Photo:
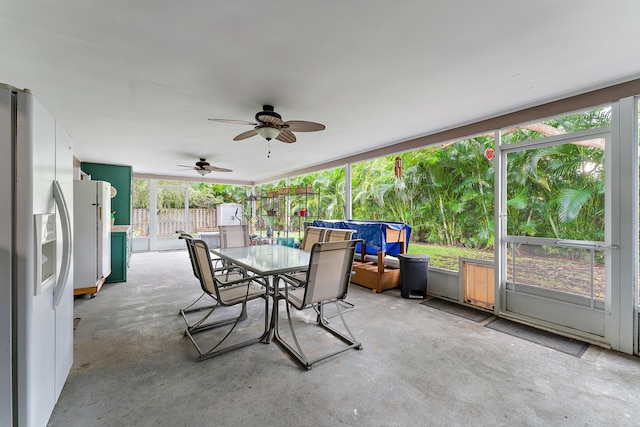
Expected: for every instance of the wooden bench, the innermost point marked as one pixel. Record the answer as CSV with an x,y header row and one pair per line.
x,y
375,270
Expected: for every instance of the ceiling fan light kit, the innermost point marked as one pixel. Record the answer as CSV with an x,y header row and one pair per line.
x,y
268,132
203,172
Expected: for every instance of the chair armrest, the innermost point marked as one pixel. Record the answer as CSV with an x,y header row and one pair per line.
x,y
292,280
229,268
244,280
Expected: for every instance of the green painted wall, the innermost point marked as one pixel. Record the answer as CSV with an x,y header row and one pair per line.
x,y
120,177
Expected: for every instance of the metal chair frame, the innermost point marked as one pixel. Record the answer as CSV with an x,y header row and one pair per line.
x,y
226,294
334,235
337,234
329,285
199,324
232,236
190,308
312,235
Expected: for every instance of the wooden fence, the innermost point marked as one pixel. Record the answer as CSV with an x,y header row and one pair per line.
x,y
171,220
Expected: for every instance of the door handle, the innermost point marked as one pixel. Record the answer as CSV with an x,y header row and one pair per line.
x,y
65,220
580,244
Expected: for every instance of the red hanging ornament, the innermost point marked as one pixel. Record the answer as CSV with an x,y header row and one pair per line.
x,y
488,153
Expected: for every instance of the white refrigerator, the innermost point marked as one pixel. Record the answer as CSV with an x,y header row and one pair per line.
x,y
36,265
92,232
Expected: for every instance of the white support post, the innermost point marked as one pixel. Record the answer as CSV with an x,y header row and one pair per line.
x,y
153,216
347,190
186,210
500,223
623,326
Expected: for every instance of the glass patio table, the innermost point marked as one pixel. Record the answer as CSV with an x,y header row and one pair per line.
x,y
267,261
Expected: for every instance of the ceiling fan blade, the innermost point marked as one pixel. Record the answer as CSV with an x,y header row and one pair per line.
x,y
303,126
185,166
266,118
235,122
245,135
216,169
286,136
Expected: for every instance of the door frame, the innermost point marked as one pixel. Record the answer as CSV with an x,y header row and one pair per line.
x,y
156,242
548,309
625,130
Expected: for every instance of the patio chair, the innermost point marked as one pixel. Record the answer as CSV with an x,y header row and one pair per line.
x,y
322,234
233,236
311,236
226,294
188,238
337,234
327,281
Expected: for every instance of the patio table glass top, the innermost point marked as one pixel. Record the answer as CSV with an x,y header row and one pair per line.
x,y
266,260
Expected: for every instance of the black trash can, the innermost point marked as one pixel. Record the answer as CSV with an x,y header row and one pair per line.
x,y
414,273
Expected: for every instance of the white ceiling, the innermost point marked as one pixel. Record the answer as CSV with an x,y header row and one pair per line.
x,y
134,82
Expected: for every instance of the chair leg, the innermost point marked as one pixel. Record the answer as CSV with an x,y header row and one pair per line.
x,y
298,353
191,309
349,306
216,350
348,338
200,325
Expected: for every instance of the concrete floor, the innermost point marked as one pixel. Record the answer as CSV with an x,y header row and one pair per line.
x,y
419,366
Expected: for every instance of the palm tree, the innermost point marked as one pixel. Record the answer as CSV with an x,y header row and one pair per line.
x,y
331,186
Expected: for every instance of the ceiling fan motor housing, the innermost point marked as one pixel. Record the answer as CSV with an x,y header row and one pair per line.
x,y
202,163
267,111
270,125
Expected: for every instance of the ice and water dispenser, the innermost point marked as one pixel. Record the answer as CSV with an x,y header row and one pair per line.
x,y
45,248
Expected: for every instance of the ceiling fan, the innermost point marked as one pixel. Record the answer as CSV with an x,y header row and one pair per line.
x,y
270,125
203,167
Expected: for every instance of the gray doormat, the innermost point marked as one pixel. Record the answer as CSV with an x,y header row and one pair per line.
x,y
556,342
469,313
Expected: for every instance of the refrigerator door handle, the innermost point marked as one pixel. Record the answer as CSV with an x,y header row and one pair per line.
x,y
65,220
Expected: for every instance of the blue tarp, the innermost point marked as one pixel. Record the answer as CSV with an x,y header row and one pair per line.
x,y
372,232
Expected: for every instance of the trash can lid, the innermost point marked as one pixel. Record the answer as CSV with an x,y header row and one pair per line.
x,y
414,257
